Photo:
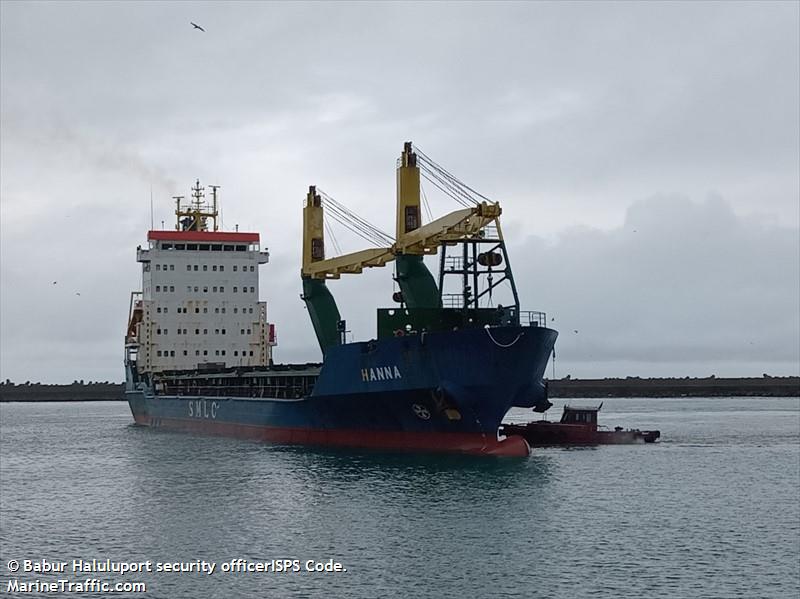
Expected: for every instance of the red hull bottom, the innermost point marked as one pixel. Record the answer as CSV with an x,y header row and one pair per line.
x,y
541,434
466,443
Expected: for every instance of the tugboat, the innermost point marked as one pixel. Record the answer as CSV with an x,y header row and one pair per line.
x,y
578,426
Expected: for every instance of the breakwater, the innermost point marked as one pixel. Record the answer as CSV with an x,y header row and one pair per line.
x,y
766,386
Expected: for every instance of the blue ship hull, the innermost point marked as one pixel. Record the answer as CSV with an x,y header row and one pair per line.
x,y
436,391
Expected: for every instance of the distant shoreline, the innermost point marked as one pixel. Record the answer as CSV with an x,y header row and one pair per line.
x,y
787,386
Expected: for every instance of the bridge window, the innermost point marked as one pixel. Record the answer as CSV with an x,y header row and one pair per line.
x,y
188,267
172,266
216,248
235,267
214,268
172,288
205,267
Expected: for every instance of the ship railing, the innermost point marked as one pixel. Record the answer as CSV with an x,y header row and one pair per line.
x,y
452,300
531,318
453,263
291,391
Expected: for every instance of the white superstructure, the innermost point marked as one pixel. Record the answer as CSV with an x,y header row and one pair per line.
x,y
199,300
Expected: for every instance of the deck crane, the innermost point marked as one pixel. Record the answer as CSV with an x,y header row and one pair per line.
x,y
419,291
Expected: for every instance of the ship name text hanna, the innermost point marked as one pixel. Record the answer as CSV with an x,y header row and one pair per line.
x,y
380,373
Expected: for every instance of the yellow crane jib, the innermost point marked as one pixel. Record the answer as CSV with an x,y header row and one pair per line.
x,y
313,232
458,225
412,237
354,263
408,192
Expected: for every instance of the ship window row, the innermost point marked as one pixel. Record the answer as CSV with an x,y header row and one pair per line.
x,y
217,310
170,353
208,247
214,268
165,289
186,331
205,331
214,289
164,267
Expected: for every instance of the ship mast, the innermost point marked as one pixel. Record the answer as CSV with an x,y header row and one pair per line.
x,y
194,215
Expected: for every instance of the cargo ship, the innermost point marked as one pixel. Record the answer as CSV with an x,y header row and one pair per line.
x,y
446,364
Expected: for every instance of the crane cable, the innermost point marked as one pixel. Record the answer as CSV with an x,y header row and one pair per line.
x,y
350,220
446,182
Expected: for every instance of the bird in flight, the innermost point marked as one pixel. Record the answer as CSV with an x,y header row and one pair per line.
x,y
196,26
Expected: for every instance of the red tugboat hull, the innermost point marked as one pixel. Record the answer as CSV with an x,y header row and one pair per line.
x,y
544,433
578,426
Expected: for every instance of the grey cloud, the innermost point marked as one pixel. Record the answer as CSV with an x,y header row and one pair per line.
x,y
568,114
682,282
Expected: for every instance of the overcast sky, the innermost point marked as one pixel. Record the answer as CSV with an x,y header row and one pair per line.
x,y
645,155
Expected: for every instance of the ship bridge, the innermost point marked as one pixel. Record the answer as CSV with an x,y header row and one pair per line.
x,y
199,304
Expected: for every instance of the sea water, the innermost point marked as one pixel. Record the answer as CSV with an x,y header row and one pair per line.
x,y
711,511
